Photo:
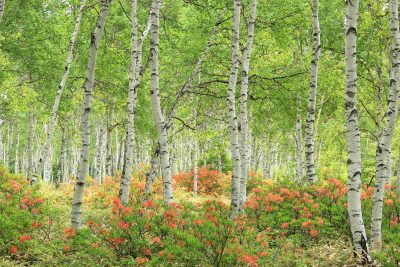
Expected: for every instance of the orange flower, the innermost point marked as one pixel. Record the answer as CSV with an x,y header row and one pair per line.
x,y
389,202
156,240
284,225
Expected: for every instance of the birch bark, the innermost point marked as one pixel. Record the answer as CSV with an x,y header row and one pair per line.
x,y
85,118
135,74
232,117
155,102
385,144
244,124
353,135
309,129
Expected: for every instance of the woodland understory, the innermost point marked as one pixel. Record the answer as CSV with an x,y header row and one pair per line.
x,y
199,133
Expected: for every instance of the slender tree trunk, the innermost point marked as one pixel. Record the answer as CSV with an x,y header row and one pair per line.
x,y
232,118
50,130
299,148
309,130
99,154
195,162
16,165
385,144
353,136
30,143
135,74
244,124
155,101
151,174
85,119
2,6
122,154
109,159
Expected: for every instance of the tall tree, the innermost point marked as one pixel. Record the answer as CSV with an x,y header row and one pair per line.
x,y
135,75
309,130
353,135
85,118
244,124
155,102
385,144
50,130
232,117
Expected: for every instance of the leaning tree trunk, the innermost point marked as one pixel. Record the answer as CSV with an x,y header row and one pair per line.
x,y
135,75
385,144
155,102
309,130
232,118
244,124
353,136
85,119
50,130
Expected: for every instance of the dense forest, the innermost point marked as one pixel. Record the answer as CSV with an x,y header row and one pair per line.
x,y
199,133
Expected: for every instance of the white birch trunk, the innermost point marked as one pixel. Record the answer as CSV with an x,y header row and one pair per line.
x,y
353,136
155,101
244,121
299,149
99,154
85,119
309,130
134,82
232,117
195,162
50,130
16,165
30,141
384,148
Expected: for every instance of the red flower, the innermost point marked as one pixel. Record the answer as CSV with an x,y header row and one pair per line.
x,y
67,248
24,238
197,222
149,204
13,250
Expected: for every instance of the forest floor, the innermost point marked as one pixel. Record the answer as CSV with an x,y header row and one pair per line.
x,y
188,234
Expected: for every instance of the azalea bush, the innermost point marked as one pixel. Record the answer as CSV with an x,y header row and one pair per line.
x,y
21,213
278,223
209,182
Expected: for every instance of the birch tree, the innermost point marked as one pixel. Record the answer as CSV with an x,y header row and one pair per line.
x,y
309,129
85,118
232,117
53,116
135,74
385,144
353,135
244,125
155,103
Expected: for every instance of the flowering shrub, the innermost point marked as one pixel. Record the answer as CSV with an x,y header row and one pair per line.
x,y
208,181
21,213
